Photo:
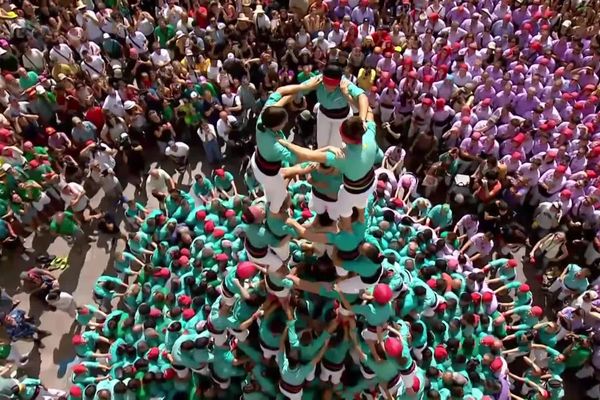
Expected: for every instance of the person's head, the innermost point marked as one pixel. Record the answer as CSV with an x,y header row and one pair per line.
x,y
332,76
352,130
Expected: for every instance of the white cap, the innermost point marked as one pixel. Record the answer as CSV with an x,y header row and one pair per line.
x,y
106,36
40,89
321,34
193,95
179,34
220,25
230,56
128,105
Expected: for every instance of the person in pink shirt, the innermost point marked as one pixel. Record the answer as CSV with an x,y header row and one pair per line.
x,y
551,182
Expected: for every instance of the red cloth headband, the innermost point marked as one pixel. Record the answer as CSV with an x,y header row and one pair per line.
x,y
331,81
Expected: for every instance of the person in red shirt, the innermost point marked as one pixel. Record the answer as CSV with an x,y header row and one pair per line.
x,y
200,15
488,188
382,36
321,7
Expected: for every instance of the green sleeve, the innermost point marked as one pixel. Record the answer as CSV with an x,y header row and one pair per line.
x,y
354,90
332,161
292,335
273,98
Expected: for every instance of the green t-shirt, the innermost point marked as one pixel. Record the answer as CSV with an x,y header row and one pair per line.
x,y
164,35
335,99
326,183
29,80
259,236
348,241
296,376
359,158
225,182
68,226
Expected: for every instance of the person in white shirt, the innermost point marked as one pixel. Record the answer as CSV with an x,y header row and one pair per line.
x,y
88,20
61,54
33,59
160,183
73,194
94,66
231,102
91,48
224,125
62,301
547,215
113,103
336,36
178,153
208,136
159,57
137,40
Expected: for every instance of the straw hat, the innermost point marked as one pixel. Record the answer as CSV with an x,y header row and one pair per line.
x,y
242,18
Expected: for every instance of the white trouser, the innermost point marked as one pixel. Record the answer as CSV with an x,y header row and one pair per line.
x,y
347,201
268,353
282,251
341,271
222,385
291,396
365,374
393,390
409,378
220,338
204,371
270,260
353,285
334,376
321,206
182,373
240,336
280,294
274,187
225,298
417,352
328,130
368,335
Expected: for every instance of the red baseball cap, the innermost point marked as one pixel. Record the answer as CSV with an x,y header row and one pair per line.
x,y
537,311
246,269
427,101
382,293
393,347
524,288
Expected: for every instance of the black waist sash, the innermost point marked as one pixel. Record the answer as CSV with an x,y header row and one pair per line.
x,y
269,168
337,113
361,185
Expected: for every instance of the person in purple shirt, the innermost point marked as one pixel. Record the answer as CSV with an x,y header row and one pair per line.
x,y
362,12
503,26
373,59
386,63
521,14
574,54
486,90
525,103
341,10
459,13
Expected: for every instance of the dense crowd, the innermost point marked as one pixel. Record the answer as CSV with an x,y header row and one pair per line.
x,y
399,158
